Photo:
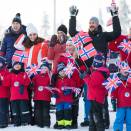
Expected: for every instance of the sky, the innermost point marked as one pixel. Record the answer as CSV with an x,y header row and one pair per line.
x,y
32,12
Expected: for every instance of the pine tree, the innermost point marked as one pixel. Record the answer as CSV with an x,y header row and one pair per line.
x,y
124,17
45,27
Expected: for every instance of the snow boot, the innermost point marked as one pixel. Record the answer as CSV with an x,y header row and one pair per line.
x,y
85,123
56,125
68,127
60,127
3,125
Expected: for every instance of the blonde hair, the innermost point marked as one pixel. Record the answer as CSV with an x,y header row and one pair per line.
x,y
75,54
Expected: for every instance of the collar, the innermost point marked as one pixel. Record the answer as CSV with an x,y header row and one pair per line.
x,y
61,77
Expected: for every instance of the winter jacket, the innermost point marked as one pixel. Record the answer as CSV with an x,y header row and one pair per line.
x,y
15,80
8,44
60,84
113,46
36,53
54,54
75,75
99,38
4,91
96,91
40,81
123,95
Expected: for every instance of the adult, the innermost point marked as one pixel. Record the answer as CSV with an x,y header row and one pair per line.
x,y
57,46
99,38
113,46
12,34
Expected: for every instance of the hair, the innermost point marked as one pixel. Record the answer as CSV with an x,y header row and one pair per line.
x,y
75,54
29,43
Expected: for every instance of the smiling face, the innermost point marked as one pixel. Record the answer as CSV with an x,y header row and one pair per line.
x,y
17,67
123,73
70,47
93,26
16,26
59,34
45,68
62,73
33,36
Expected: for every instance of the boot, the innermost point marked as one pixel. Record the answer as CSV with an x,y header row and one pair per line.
x,y
68,127
3,125
60,127
74,126
85,123
17,124
56,125
24,124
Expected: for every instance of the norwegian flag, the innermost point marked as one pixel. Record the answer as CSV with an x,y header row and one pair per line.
x,y
67,54
112,83
109,22
52,89
20,56
32,70
113,3
125,46
80,39
69,69
49,74
87,52
123,66
129,78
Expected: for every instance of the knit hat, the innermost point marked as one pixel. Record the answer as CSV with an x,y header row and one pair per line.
x,y
15,63
2,60
98,60
31,29
95,19
44,64
69,41
17,18
60,66
62,28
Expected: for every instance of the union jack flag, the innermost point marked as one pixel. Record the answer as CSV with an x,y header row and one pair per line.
x,y
20,56
125,46
129,78
80,39
67,54
113,3
52,89
32,70
109,22
87,52
69,69
112,83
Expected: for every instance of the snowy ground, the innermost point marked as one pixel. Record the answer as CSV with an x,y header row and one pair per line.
x,y
53,120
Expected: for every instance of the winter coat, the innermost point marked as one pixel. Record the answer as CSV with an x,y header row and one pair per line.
x,y
54,54
99,38
113,46
4,91
75,75
36,53
15,80
123,95
40,81
60,84
8,44
96,91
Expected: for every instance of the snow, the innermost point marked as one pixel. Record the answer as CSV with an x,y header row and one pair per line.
x,y
53,120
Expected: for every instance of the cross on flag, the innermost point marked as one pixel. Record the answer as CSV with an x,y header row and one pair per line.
x,y
112,83
20,56
125,46
113,3
67,54
87,52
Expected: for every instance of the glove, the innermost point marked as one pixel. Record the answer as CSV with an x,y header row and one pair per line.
x,y
55,95
115,12
53,79
50,85
53,40
73,10
82,74
63,39
66,92
88,71
32,85
21,89
77,62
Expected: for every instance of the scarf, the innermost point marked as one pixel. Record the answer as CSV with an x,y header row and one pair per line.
x,y
18,32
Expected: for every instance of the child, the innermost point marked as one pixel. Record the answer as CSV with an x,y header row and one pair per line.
x,y
42,97
3,96
64,99
123,96
96,93
19,81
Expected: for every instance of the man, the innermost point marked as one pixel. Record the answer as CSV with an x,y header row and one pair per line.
x,y
99,38
13,33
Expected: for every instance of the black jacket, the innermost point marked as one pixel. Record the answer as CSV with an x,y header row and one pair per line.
x,y
100,38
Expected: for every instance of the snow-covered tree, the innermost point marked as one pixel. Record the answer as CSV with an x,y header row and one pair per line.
x,y
124,13
45,27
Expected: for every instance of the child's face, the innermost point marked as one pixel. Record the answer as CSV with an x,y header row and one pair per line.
x,y
45,68
62,73
1,64
123,73
17,67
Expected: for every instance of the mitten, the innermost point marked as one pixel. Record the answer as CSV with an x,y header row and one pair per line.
x,y
63,39
55,95
21,89
53,40
66,92
73,10
114,12
32,85
77,62
82,74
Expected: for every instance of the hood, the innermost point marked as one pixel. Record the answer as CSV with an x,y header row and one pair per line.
x,y
103,69
96,32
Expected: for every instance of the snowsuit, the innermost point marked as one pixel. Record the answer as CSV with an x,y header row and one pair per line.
x,y
42,98
96,94
4,96
19,102
123,96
